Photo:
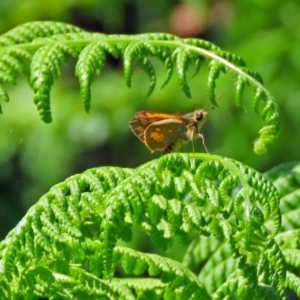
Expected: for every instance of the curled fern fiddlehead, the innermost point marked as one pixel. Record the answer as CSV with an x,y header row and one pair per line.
x,y
38,49
67,243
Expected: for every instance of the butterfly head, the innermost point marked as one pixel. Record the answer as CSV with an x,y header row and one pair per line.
x,y
200,115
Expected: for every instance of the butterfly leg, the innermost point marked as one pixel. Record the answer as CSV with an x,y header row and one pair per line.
x,y
192,139
193,146
203,141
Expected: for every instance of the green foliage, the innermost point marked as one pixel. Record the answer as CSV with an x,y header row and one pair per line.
x,y
38,50
67,244
239,228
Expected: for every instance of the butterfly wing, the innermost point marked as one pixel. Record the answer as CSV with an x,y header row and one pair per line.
x,y
144,119
152,116
162,134
138,128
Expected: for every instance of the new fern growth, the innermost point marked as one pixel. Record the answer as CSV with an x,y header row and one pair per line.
x,y
67,244
37,51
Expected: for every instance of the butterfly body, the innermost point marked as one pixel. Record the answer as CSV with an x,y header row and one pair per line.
x,y
160,131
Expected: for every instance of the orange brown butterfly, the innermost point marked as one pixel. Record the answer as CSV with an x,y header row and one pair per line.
x,y
160,131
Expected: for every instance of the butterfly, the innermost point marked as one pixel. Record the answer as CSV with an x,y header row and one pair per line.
x,y
161,131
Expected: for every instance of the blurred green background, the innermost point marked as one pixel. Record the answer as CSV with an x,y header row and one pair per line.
x,y
34,156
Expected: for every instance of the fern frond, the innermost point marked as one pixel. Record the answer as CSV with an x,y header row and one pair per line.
x,y
38,49
233,209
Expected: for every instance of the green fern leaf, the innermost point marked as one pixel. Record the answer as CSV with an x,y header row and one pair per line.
x,y
240,86
90,61
235,59
182,61
259,98
168,270
214,72
27,32
286,178
12,63
293,282
146,65
169,69
199,250
198,64
132,51
46,67
7,77
12,66
201,44
3,95
136,51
